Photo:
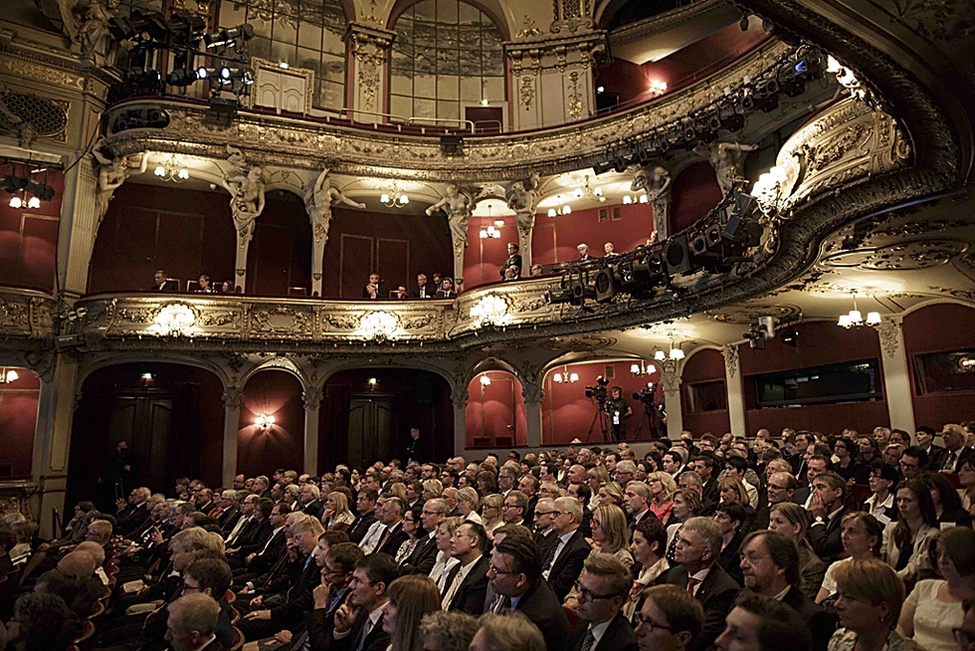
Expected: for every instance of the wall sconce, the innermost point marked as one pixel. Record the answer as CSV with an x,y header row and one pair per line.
x,y
660,355
565,376
263,421
676,353
642,368
8,375
853,318
485,380
657,87
767,190
643,198
378,326
490,311
558,212
490,233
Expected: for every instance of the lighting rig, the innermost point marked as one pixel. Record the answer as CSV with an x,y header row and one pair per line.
x,y
726,236
29,186
789,77
221,59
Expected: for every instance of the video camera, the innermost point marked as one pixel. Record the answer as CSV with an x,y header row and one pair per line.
x,y
647,395
599,390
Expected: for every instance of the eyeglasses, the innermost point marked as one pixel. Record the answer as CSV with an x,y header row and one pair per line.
x,y
497,571
649,624
588,595
537,513
752,559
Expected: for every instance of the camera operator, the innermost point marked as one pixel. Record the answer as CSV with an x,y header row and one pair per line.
x,y
618,410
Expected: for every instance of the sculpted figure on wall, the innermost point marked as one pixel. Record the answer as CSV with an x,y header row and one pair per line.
x,y
247,200
656,183
111,174
727,161
521,197
457,204
86,22
319,201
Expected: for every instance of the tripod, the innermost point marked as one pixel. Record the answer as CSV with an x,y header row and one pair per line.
x,y
651,418
600,416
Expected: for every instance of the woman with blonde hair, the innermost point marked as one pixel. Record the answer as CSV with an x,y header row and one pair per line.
x,y
861,534
732,490
687,504
611,493
491,506
662,489
398,490
467,503
610,535
411,598
337,516
868,603
789,519
596,476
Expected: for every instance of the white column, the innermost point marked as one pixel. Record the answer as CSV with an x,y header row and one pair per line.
x,y
897,376
233,398
458,397
533,393
670,380
78,227
736,397
313,400
52,440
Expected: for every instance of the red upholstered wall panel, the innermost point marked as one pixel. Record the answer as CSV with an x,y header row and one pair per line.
x,y
259,452
695,192
936,328
18,421
483,257
567,413
820,343
702,366
29,240
495,415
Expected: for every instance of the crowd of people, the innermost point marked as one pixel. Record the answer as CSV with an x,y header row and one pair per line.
x,y
808,541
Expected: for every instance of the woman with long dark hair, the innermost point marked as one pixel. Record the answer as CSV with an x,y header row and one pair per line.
x,y
906,541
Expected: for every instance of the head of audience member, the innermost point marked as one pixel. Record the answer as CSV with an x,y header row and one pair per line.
x,y
577,490
447,631
40,622
192,621
544,514
781,487
99,531
96,551
515,505
671,619
366,501
952,553
576,473
816,464
769,563
433,513
687,503
568,515
913,462
914,503
604,587
758,623
829,489
515,566
861,534
508,632
340,563
371,579
790,520
698,544
79,564
869,595
305,533
411,597
704,466
469,542
649,541
924,436
893,454
636,497
209,576
611,493
732,489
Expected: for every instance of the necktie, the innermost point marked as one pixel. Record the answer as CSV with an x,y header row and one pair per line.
x,y
366,628
589,641
366,543
691,583
500,603
551,557
452,589
950,461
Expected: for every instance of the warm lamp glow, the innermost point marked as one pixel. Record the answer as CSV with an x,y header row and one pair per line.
x,y
485,381
263,421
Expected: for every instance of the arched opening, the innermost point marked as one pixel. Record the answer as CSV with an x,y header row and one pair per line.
x,y
263,448
171,417
495,415
279,256
20,392
367,413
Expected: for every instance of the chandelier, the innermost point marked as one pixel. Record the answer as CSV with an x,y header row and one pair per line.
x,y
378,326
8,375
565,376
853,318
171,170
767,190
175,320
490,311
394,197
642,368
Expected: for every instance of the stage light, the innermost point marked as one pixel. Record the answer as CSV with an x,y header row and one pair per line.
x,y
228,37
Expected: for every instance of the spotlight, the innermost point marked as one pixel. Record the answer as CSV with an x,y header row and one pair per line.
x,y
228,37
581,290
676,255
607,285
555,298
183,77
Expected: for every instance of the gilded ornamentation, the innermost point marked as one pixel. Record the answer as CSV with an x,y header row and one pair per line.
x,y
284,320
529,30
527,92
233,397
902,256
26,70
746,314
311,399
370,48
730,354
889,334
575,97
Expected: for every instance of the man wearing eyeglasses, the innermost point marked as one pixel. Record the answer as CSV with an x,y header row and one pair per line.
x,y
670,620
340,563
781,487
424,555
603,590
543,534
564,562
466,584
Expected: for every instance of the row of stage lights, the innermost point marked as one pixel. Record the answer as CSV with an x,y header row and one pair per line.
x,y
27,187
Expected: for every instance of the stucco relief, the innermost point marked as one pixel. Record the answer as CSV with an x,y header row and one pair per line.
x,y
903,256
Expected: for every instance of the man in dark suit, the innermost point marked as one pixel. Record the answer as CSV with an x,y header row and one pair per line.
x,y
770,564
308,498
375,288
704,466
134,512
946,459
698,547
828,509
514,259
670,618
254,538
781,488
424,555
422,289
340,562
260,561
392,518
604,588
359,622
192,622
466,584
366,505
160,283
516,580
816,464
564,562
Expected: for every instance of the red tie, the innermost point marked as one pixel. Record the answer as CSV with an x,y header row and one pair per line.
x,y
691,582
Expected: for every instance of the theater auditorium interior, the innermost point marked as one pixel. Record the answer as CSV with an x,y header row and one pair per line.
x,y
214,214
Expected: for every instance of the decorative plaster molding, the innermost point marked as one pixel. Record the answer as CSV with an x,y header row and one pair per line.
x,y
730,354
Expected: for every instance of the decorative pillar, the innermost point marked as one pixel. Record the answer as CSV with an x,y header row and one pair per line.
x,y
897,377
553,79
233,399
459,397
670,381
52,439
370,50
736,397
532,392
521,198
313,400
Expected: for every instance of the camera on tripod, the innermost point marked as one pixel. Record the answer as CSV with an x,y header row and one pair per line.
x,y
599,390
647,394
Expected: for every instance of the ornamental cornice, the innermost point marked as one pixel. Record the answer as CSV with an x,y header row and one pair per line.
x,y
291,143
29,60
668,20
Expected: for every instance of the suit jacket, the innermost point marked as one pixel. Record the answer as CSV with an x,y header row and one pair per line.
x,y
207,508
255,538
321,621
300,597
423,558
392,539
266,558
821,624
377,640
167,286
512,261
710,491
568,566
544,544
619,636
544,609
313,508
936,457
469,597
427,291
228,520
716,593
131,518
359,527
825,539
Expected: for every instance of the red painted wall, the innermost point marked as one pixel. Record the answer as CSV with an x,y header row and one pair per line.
x,y
931,329
495,414
397,245
695,192
279,255
148,227
259,452
18,421
820,343
29,240
702,366
567,412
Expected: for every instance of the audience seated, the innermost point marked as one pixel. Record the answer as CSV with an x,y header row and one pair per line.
x,y
868,604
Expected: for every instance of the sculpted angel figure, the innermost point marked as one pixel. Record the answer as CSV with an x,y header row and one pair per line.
x,y
726,159
247,200
111,173
521,197
656,182
458,204
319,201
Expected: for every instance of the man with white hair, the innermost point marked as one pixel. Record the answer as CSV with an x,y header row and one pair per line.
x,y
563,565
133,515
192,622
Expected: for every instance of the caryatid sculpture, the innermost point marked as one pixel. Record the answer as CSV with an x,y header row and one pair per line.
x,y
727,161
458,204
246,188
319,200
111,174
656,182
521,197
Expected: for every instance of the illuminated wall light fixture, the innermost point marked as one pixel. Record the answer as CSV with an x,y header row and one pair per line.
x,y
657,87
660,355
8,375
485,381
642,368
854,319
490,233
565,376
263,421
